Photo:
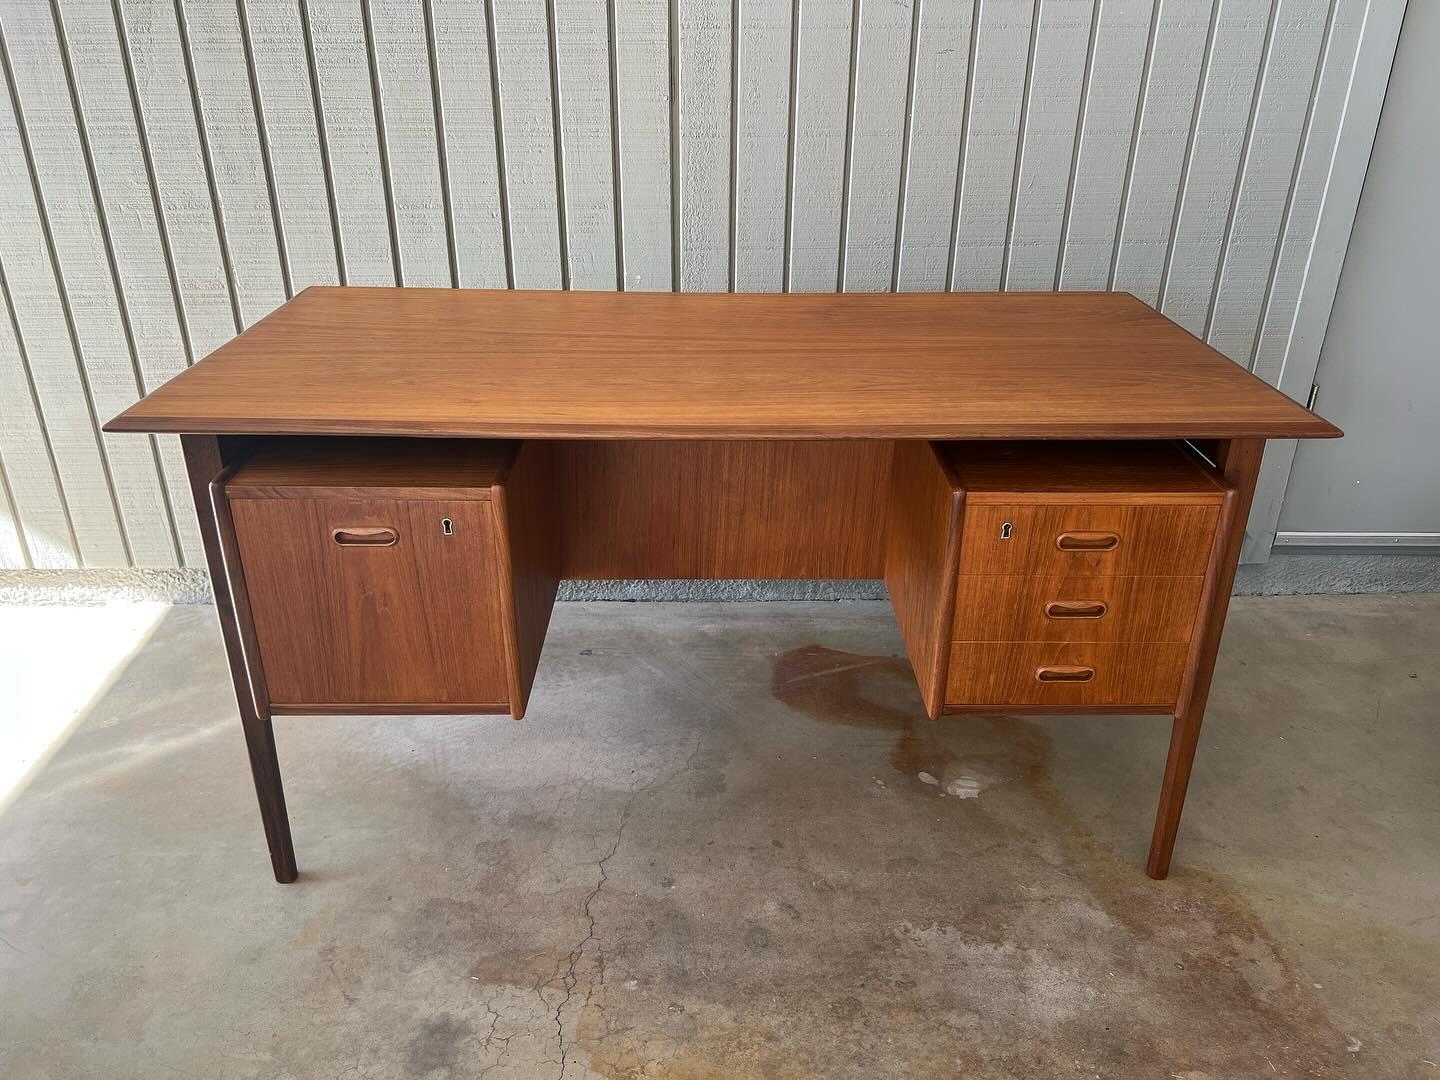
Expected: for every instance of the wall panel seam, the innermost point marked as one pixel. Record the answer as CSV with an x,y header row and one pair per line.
x,y
1322,58
8,495
1021,134
907,135
1081,113
856,22
442,154
157,207
966,107
497,111
1141,100
208,161
1202,84
323,138
561,202
49,445
382,144
1242,166
616,178
263,136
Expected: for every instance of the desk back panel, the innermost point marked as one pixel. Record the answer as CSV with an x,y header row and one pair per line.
x,y
722,509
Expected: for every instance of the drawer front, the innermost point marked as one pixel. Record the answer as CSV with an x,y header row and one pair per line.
x,y
1097,539
1002,673
370,602
1018,608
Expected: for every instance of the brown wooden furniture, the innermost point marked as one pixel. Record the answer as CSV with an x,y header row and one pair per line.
x,y
382,580
1054,487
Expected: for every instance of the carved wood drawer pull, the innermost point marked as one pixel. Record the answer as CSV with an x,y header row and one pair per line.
x,y
1076,609
1065,673
1087,541
368,536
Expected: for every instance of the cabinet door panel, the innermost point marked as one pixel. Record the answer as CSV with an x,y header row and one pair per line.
x,y
374,601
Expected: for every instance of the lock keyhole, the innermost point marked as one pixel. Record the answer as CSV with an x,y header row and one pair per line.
x,y
447,527
1005,531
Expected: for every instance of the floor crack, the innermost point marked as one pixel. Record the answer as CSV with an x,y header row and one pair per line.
x,y
573,960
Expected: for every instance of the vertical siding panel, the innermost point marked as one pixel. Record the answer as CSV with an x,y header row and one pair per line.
x,y
1104,145
59,386
342,71
92,306
936,114
583,54
823,81
403,62
34,488
522,48
1290,75
1297,237
643,52
141,258
462,58
1169,100
705,145
1048,142
1268,171
222,84
282,74
761,145
12,546
1222,129
188,216
1001,48
881,83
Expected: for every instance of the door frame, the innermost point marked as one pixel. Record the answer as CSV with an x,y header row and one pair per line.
x,y
1374,57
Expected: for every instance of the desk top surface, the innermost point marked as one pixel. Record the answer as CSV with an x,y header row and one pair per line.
x,y
506,364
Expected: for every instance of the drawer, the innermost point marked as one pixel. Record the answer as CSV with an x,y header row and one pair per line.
x,y
1003,673
375,601
1095,539
1057,608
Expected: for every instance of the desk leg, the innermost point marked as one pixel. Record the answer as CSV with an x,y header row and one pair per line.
x,y
1239,460
206,467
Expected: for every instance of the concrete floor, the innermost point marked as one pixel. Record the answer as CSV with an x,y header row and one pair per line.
x,y
708,853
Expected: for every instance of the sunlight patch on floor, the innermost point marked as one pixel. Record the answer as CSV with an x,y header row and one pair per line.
x,y
53,662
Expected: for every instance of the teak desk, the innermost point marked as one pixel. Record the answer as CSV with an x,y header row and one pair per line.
x,y
391,484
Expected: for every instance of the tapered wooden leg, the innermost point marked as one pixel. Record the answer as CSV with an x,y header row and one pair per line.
x,y
265,769
205,467
1239,461
1184,737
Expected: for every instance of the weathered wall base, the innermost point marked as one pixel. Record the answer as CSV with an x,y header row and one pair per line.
x,y
1287,573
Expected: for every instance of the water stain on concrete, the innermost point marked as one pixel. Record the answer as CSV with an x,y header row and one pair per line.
x,y
538,968
438,1045
686,1052
1221,948
836,687
1218,940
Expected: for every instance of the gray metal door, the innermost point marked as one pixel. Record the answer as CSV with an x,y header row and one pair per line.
x,y
1379,371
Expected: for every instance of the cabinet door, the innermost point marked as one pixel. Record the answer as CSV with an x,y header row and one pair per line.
x,y
375,602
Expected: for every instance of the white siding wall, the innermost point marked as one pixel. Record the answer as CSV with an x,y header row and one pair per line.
x,y
171,170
